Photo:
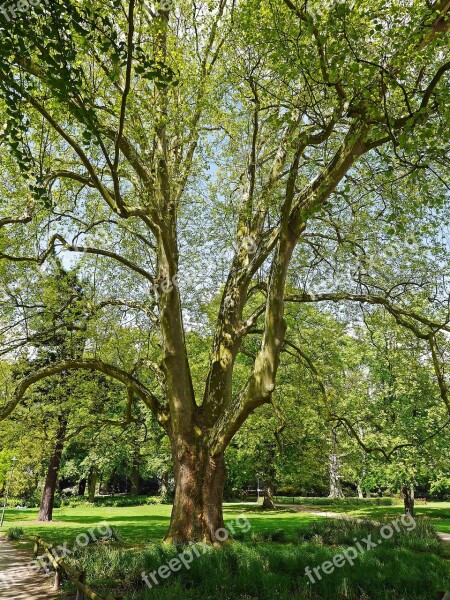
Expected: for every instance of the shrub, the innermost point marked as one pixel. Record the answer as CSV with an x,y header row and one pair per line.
x,y
14,533
330,502
277,535
115,536
123,501
116,501
32,502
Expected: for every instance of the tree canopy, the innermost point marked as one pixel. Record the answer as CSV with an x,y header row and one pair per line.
x,y
262,153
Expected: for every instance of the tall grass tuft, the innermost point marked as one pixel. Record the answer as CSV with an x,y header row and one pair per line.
x,y
14,534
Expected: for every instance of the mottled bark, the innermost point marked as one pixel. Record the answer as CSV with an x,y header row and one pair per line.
x,y
334,470
197,507
268,501
407,491
164,486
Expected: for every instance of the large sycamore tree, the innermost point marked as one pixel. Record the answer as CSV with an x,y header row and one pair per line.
x,y
184,150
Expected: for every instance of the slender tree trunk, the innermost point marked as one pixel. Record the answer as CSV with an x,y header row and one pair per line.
x,y
48,494
335,483
92,483
359,490
164,486
268,496
82,486
197,508
408,498
334,469
135,475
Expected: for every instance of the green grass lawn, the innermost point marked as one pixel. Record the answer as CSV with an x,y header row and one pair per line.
x,y
409,566
139,524
142,524
437,512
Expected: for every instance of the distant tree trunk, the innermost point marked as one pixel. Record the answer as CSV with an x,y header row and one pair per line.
x,y
368,494
359,490
408,498
135,472
48,494
82,486
92,483
164,485
335,467
268,496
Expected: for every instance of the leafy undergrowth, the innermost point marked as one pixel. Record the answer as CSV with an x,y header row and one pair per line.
x,y
408,566
120,501
334,502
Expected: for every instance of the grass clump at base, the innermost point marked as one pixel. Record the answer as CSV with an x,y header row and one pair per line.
x,y
407,566
14,534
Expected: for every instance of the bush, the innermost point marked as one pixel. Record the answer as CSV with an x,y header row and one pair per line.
x,y
117,501
311,501
124,501
14,533
278,535
32,502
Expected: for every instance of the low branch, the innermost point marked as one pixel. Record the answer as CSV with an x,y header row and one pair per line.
x,y
398,313
88,364
13,221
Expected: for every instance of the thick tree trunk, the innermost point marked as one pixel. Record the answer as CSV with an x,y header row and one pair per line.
x,y
408,498
197,508
92,483
48,494
268,496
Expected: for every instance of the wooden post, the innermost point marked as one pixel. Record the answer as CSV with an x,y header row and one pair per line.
x,y
78,578
80,594
36,548
58,577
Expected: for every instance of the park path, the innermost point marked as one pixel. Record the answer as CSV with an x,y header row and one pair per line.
x,y
445,537
16,581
